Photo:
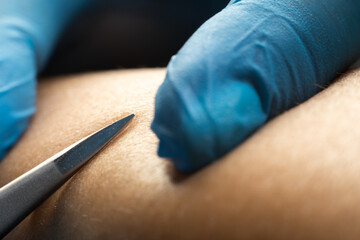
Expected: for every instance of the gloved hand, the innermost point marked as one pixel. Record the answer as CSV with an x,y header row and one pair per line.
x,y
28,31
249,63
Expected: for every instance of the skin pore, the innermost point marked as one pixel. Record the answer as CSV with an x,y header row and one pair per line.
x,y
296,178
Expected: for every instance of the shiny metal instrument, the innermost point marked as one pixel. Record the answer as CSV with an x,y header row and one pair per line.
x,y
21,196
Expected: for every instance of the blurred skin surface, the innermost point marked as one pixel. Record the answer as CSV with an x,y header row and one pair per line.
x,y
296,178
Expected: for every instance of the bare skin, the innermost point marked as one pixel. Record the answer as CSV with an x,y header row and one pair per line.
x,y
296,178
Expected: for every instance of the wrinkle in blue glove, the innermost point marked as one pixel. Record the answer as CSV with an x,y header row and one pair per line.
x,y
28,32
247,64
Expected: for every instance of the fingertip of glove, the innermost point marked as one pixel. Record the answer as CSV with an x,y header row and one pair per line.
x,y
17,102
172,127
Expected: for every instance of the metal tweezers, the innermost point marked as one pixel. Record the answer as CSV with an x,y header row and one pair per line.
x,y
21,196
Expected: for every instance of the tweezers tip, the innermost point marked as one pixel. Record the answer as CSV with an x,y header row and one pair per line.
x,y
124,121
130,117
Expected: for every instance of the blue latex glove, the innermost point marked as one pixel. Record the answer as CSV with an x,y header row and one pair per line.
x,y
249,63
28,31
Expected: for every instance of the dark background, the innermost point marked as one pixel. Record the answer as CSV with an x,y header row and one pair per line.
x,y
129,34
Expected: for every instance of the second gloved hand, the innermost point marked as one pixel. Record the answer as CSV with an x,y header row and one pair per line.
x,y
249,63
28,32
